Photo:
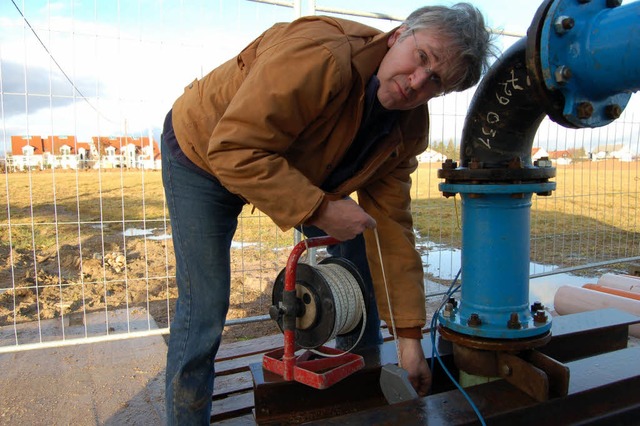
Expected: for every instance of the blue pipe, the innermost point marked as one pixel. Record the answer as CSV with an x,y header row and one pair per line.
x,y
495,262
590,53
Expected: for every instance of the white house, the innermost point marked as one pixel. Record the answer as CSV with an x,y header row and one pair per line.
x,y
431,156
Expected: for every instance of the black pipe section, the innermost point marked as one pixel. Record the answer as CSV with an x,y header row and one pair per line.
x,y
503,117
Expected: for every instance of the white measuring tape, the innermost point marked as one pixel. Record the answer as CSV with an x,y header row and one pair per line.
x,y
386,289
345,290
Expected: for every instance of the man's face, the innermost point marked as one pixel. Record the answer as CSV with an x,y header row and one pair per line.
x,y
414,70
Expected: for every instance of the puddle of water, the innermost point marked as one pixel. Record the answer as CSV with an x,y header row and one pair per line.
x,y
133,232
445,264
240,244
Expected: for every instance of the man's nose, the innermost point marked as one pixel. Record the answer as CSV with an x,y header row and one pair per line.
x,y
420,77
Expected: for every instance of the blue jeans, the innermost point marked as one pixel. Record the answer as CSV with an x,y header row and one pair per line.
x,y
204,218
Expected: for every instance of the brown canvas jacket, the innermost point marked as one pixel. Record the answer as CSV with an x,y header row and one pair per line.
x,y
272,123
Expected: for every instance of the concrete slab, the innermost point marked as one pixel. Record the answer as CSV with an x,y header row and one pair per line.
x,y
106,383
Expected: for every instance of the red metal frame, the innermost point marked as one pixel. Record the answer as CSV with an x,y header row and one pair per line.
x,y
318,373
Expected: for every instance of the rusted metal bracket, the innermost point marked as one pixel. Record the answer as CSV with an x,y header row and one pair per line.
x,y
536,374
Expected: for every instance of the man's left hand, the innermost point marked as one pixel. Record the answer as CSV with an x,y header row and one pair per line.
x,y
412,359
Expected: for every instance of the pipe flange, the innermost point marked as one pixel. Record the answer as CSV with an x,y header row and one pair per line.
x,y
497,175
487,344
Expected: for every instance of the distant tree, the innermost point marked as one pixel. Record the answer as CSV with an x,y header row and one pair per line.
x,y
451,151
438,146
577,153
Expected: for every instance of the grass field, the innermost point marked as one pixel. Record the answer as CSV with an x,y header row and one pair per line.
x,y
66,247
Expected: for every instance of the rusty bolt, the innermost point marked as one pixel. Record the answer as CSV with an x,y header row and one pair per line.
x,y
543,162
474,320
540,316
613,3
449,164
448,310
475,164
613,111
514,322
564,24
584,110
453,302
563,74
515,163
448,194
536,306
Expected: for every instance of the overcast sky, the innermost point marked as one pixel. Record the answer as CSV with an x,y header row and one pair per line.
x,y
114,67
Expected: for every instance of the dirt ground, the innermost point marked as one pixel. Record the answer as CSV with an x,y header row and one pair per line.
x,y
109,272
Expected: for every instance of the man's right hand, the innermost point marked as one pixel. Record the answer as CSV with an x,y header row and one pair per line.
x,y
343,219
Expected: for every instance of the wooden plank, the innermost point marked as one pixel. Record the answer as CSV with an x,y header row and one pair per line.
x,y
233,406
246,420
249,347
232,383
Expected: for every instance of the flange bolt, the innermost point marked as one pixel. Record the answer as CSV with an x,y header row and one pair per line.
x,y
474,320
540,317
563,74
536,306
564,24
613,111
584,110
449,164
514,322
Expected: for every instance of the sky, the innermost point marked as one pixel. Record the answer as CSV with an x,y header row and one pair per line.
x,y
98,67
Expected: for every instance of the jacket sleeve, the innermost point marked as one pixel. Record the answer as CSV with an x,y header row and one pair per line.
x,y
285,91
388,201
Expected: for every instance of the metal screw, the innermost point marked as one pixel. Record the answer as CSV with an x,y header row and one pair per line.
x,y
543,162
537,305
564,24
453,302
515,163
474,320
584,110
540,316
475,164
449,164
613,111
514,322
613,3
448,309
563,74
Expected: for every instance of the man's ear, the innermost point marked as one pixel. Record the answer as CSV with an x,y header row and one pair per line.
x,y
396,35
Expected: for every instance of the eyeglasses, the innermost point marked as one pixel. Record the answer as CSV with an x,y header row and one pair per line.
x,y
424,62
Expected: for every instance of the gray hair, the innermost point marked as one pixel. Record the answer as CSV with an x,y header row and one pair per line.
x,y
462,26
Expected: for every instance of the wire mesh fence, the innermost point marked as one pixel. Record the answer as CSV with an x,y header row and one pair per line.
x,y
85,236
